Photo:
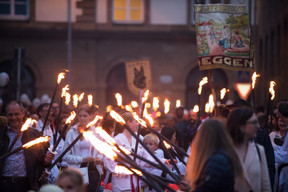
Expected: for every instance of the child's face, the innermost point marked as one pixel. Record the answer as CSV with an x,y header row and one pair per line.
x,y
67,185
152,146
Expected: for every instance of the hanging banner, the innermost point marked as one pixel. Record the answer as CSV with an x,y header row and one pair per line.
x,y
138,75
224,39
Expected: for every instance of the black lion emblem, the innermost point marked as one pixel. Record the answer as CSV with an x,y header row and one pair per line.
x,y
139,78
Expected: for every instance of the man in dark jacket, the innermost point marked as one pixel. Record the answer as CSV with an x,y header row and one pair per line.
x,y
20,171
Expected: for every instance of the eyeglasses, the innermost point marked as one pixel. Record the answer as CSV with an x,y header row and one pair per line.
x,y
253,122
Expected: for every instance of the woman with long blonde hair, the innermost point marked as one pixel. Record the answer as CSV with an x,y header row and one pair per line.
x,y
213,163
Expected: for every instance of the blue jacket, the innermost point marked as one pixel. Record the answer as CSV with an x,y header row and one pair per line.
x,y
217,174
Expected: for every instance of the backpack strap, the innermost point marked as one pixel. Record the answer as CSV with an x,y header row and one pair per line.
x,y
257,148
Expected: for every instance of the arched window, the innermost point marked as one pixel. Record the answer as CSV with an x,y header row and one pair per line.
x,y
9,92
116,83
192,83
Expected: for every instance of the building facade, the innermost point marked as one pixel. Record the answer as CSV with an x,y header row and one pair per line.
x,y
104,35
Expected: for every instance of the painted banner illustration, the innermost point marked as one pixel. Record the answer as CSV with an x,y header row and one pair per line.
x,y
138,75
224,39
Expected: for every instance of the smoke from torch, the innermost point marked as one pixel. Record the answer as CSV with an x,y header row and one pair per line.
x,y
202,82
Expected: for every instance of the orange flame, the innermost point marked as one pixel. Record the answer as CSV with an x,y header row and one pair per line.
x,y
145,96
109,108
67,98
150,119
36,141
75,100
81,96
223,92
117,117
202,82
105,135
155,103
71,117
178,103
196,109
134,104
254,77
207,108
90,100
166,106
271,89
140,121
118,97
60,77
123,170
64,90
211,103
99,145
166,145
129,108
28,123
97,118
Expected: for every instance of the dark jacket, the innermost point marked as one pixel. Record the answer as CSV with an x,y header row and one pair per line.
x,y
263,139
34,156
217,174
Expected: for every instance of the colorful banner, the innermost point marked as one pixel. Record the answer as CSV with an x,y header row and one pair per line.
x,y
224,39
138,74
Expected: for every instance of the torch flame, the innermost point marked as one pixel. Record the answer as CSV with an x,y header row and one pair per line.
x,y
271,89
64,90
28,123
211,103
207,107
67,98
105,135
178,103
166,145
134,104
81,96
118,97
126,151
75,100
223,92
97,118
90,100
71,117
155,103
123,170
196,109
166,106
254,77
60,77
202,82
140,121
36,141
129,108
117,117
109,108
150,119
145,96
101,146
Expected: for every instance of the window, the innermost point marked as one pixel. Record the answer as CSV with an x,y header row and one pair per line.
x,y
14,9
128,11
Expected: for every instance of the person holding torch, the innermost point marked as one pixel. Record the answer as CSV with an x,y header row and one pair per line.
x,y
20,171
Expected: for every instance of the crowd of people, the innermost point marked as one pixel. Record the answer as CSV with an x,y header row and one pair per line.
x,y
235,149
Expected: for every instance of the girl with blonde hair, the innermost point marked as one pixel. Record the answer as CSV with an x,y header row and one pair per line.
x,y
213,163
